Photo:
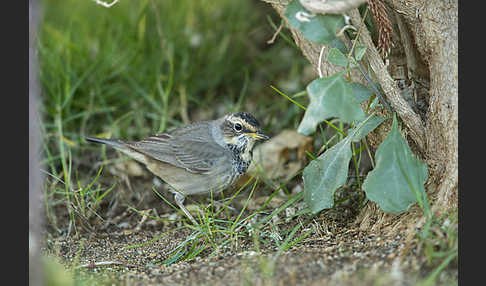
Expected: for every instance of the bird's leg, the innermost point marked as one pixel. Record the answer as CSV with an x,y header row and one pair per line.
x,y
222,205
179,198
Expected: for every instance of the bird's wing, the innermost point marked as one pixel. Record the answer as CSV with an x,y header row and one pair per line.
x,y
191,147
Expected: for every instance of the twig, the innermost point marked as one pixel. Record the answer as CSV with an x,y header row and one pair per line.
x,y
302,16
347,27
320,62
107,5
275,34
361,25
391,91
369,152
144,218
375,89
373,86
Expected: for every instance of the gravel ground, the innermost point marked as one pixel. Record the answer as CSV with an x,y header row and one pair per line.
x,y
336,252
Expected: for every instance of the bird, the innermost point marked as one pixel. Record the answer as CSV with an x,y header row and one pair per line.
x,y
198,158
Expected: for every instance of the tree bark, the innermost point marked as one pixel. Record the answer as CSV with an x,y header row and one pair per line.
x,y
425,45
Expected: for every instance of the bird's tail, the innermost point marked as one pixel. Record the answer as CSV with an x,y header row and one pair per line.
x,y
120,146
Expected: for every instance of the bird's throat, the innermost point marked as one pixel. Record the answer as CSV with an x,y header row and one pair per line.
x,y
242,155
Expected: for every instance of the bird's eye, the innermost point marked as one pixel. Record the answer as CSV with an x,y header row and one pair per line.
x,y
238,127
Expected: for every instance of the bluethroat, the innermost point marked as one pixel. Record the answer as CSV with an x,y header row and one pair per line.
x,y
197,158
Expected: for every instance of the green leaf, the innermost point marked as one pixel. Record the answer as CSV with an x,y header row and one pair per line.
x,y
319,28
324,175
359,52
335,56
366,128
339,44
328,172
398,178
330,97
360,92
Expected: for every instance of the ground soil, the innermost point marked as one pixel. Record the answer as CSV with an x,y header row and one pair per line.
x,y
336,252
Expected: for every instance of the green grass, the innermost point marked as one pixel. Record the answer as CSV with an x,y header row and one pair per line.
x,y
217,228
439,243
143,67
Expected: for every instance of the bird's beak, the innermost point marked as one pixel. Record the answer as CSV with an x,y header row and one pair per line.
x,y
258,135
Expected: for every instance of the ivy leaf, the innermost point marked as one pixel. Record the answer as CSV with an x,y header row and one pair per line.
x,y
330,97
398,178
328,172
339,44
367,127
324,175
335,56
318,28
360,92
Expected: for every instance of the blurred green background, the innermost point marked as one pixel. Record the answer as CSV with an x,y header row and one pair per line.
x,y
141,67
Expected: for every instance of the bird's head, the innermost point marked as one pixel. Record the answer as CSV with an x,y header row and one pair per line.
x,y
242,128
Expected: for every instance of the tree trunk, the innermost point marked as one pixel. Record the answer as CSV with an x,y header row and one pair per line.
x,y
424,54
